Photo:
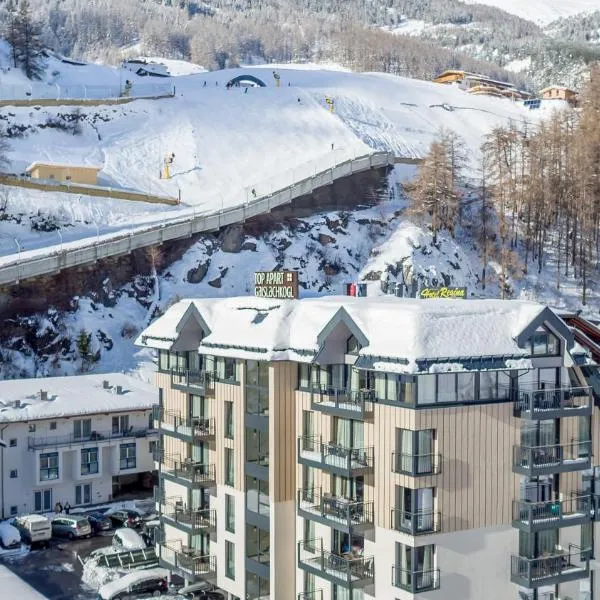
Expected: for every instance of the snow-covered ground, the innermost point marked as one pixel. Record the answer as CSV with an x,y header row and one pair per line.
x,y
541,11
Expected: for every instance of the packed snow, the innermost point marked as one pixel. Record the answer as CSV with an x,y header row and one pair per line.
x,y
541,11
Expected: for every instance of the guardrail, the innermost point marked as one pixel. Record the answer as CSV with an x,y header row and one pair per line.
x,y
74,254
49,91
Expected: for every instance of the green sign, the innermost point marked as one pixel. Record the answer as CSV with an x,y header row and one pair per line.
x,y
443,292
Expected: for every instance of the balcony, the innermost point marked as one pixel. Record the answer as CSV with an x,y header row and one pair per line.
x,y
187,472
194,521
340,513
416,465
315,595
416,523
552,403
416,581
346,570
335,458
187,562
556,568
198,382
342,403
94,438
538,516
546,460
188,429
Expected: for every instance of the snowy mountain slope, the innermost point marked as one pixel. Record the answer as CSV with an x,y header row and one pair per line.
x,y
541,11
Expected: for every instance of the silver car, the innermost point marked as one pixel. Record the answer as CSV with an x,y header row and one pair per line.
x,y
71,527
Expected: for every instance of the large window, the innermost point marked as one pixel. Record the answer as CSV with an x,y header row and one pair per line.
x,y
229,431
229,560
49,466
127,456
543,343
120,424
229,467
257,496
415,567
89,461
172,360
257,387
42,501
229,513
82,428
415,452
257,447
257,588
258,544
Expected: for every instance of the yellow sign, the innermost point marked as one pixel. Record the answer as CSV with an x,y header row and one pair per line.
x,y
443,292
276,284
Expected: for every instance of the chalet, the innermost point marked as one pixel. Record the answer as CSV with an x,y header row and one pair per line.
x,y
85,174
559,92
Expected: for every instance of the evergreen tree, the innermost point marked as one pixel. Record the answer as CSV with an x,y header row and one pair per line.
x,y
84,347
29,46
11,30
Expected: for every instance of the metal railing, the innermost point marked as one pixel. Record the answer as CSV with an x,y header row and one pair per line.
x,y
530,572
349,512
346,569
416,523
34,263
47,91
187,469
553,513
336,456
196,519
555,458
39,441
189,560
314,595
355,402
201,380
539,403
416,465
197,428
416,581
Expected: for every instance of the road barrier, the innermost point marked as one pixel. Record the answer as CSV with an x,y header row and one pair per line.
x,y
26,265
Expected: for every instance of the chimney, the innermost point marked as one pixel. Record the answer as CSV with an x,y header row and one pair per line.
x,y
105,384
17,404
43,395
119,389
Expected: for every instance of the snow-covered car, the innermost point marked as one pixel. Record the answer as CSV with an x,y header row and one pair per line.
x,y
126,518
127,539
139,584
9,535
36,530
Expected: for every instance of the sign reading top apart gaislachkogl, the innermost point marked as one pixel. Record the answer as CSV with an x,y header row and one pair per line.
x,y
443,292
276,284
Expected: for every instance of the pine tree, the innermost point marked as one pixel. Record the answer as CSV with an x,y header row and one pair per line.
x,y
11,32
84,346
29,47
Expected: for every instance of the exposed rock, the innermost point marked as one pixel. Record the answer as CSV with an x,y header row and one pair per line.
x,y
325,239
249,246
232,238
216,283
196,274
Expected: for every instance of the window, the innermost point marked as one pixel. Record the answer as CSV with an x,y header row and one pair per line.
x,y
12,443
89,461
230,370
257,544
307,423
257,447
229,513
152,447
163,360
308,530
543,343
160,397
257,496
415,567
229,560
127,456
426,389
83,493
82,428
42,501
229,467
352,345
257,588
14,511
32,428
13,474
303,376
229,420
257,387
49,466
414,510
120,424
52,425
415,452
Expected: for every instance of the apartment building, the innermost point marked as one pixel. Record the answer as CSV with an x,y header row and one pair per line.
x,y
352,448
82,440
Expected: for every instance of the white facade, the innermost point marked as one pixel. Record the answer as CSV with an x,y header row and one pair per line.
x,y
73,441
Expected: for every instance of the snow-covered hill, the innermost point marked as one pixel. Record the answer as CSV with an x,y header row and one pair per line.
x,y
541,11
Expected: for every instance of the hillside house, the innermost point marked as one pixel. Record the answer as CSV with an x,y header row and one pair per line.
x,y
64,173
559,92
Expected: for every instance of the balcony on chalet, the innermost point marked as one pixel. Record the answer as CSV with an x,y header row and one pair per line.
x,y
188,429
416,523
347,461
187,472
339,402
188,563
538,516
191,520
93,438
552,403
186,380
534,461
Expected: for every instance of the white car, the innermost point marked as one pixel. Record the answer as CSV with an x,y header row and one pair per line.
x,y
36,530
127,539
9,535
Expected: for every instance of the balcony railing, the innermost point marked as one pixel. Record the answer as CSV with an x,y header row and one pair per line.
x,y
187,470
202,381
188,562
545,460
416,465
347,570
536,516
314,595
195,520
343,460
558,567
354,404
416,523
42,441
192,428
343,513
552,403
416,581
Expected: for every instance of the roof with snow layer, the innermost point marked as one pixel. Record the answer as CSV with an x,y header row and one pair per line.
x,y
398,334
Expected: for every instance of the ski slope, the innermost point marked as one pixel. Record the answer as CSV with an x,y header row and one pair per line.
x,y
542,11
227,143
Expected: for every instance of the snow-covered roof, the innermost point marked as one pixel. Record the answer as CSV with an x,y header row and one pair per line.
x,y
36,164
72,396
402,331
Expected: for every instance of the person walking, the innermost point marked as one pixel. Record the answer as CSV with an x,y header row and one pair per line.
x,y
67,508
58,508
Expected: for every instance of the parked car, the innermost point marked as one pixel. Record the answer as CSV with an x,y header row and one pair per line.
x,y
126,518
200,591
71,527
150,583
127,539
99,523
35,530
9,536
